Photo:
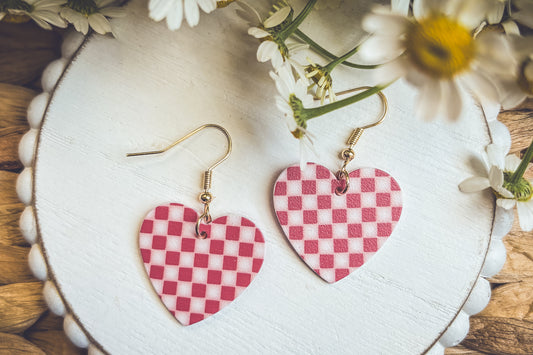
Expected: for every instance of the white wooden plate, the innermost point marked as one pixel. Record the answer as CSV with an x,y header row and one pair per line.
x,y
150,86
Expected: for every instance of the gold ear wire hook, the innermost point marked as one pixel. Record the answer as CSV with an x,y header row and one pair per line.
x,y
348,154
205,197
188,135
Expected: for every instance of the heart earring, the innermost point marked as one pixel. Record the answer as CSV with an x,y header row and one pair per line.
x,y
337,222
198,265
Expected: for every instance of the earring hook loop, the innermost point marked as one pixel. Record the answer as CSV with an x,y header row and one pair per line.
x,y
206,196
348,154
188,135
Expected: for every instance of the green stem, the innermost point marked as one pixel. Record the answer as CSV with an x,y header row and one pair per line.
x,y
324,52
287,32
309,113
342,59
517,175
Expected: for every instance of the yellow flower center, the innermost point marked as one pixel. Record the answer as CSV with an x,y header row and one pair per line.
x,y
440,46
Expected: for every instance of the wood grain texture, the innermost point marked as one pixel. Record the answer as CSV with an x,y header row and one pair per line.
x,y
48,321
520,124
14,101
8,181
496,335
9,220
21,304
11,344
461,350
14,265
53,342
25,51
9,138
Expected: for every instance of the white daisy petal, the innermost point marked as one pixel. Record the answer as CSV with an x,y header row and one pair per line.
x,y
525,215
496,12
480,86
257,32
452,100
207,6
505,193
266,50
495,177
511,94
41,23
278,17
472,13
400,6
474,184
380,48
496,154
99,23
175,16
422,8
510,27
192,12
512,162
159,9
506,203
52,17
277,59
82,25
386,24
113,12
429,100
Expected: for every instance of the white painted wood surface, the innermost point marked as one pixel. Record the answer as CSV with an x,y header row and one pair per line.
x,y
149,87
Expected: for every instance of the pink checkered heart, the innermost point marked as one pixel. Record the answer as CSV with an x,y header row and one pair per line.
x,y
196,278
335,235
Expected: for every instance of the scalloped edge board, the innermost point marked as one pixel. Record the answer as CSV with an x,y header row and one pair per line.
x,y
456,331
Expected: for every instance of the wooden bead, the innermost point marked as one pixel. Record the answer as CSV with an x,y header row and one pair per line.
x,y
27,147
37,108
74,332
37,263
28,225
25,186
52,298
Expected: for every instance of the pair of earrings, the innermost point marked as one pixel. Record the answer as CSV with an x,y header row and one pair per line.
x,y
335,223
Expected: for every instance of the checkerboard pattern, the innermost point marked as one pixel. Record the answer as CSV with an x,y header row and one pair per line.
x,y
196,278
335,235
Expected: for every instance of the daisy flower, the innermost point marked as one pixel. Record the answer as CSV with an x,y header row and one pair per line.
x,y
93,13
505,178
291,100
514,89
175,10
437,53
274,33
44,12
